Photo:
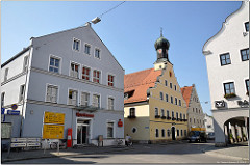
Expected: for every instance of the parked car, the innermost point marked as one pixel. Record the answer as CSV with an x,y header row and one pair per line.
x,y
211,135
197,136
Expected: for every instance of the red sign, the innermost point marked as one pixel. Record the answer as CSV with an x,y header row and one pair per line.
x,y
120,123
84,114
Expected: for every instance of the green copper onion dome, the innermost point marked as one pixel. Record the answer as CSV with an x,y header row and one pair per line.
x,y
162,43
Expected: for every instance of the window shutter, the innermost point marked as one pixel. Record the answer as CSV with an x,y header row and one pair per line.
x,y
48,93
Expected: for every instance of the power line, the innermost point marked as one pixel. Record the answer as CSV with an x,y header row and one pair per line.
x,y
111,9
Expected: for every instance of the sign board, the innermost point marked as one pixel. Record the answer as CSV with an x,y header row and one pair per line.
x,y
53,132
219,104
5,130
2,110
13,112
17,144
198,129
14,106
34,139
51,117
18,139
33,144
84,114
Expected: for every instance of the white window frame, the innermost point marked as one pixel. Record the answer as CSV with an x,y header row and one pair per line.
x,y
77,97
70,69
21,95
2,98
99,53
94,100
110,74
79,45
90,73
114,128
108,106
6,70
164,133
60,62
88,45
157,133
88,101
57,94
157,111
25,63
161,96
163,114
100,78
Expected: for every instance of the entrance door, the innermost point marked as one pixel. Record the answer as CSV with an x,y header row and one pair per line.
x,y
83,132
173,133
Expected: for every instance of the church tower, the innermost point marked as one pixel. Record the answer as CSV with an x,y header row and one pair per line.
x,y
161,46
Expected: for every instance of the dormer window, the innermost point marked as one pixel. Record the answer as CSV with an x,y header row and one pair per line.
x,y
128,94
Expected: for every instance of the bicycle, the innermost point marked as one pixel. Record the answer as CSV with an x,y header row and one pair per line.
x,y
119,142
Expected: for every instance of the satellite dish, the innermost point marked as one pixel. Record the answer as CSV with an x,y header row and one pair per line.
x,y
96,20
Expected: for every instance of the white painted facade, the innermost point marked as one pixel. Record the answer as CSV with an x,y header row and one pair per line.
x,y
232,38
209,123
38,77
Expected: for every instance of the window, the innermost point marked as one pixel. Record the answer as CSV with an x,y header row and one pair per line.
x,y
163,133
96,100
167,112
229,88
97,53
177,132
87,49
171,85
162,112
111,103
132,112
247,85
110,130
169,133
247,26
85,73
96,76
111,80
74,70
6,73
51,94
194,120
225,59
156,133
171,100
245,54
181,133
196,110
21,93
175,101
156,112
54,65
166,82
175,87
190,120
184,116
193,109
166,97
179,102
2,99
185,133
199,111
25,63
76,44
161,96
172,114
180,116
72,97
176,115
85,99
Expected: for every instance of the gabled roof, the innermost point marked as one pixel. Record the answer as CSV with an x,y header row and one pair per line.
x,y
139,82
186,94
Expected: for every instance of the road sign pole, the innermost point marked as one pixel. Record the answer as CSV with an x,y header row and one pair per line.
x,y
58,147
45,144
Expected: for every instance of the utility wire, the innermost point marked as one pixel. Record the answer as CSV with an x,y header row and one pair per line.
x,y
111,9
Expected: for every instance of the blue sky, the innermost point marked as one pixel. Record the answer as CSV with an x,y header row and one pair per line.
x,y
129,31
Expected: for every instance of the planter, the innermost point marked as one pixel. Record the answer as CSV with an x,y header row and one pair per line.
x,y
163,117
231,141
157,116
130,117
229,95
168,117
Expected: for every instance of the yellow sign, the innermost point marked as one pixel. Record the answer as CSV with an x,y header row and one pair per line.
x,y
198,129
53,132
51,117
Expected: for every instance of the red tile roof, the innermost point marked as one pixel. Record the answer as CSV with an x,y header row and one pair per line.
x,y
139,82
186,94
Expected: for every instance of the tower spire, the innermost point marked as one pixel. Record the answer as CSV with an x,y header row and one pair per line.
x,y
161,31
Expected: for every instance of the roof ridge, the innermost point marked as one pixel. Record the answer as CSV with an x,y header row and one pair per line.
x,y
139,71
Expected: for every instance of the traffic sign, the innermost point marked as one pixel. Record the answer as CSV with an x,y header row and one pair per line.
x,y
51,117
13,112
53,132
14,106
2,110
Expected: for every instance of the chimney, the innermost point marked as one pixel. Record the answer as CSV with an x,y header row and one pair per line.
x,y
87,24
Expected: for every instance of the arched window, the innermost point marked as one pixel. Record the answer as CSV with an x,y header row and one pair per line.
x,y
163,133
132,112
156,133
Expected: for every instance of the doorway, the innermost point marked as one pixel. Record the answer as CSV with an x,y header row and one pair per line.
x,y
173,133
83,131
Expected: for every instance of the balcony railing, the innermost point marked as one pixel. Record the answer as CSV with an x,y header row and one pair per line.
x,y
157,116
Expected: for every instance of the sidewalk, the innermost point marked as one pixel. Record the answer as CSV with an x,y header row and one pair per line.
x,y
238,151
49,153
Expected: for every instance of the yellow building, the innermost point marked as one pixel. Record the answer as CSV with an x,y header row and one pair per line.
x,y
154,110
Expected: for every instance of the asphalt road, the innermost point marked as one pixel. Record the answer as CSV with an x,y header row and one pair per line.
x,y
153,153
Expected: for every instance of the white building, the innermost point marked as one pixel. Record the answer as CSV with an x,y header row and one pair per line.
x,y
227,58
195,115
209,123
70,72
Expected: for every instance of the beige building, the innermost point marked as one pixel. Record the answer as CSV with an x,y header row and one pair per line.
x,y
154,108
195,115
